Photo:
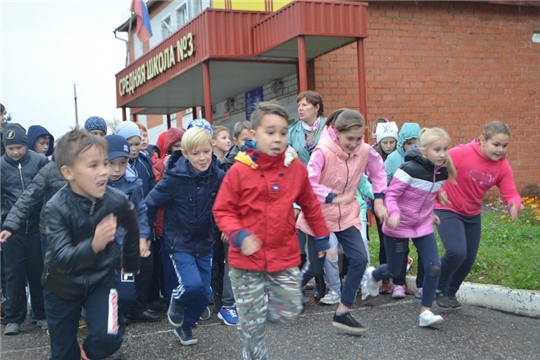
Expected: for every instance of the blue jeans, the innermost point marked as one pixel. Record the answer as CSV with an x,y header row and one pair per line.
x,y
355,251
460,236
427,248
193,290
104,333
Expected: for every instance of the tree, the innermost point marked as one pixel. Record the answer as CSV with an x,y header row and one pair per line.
x,y
112,124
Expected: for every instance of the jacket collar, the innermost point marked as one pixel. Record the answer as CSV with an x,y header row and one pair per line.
x,y
255,158
331,141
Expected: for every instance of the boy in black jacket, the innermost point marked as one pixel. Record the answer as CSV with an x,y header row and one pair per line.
x,y
22,254
81,221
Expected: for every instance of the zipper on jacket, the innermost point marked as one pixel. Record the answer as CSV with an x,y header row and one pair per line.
x,y
425,199
345,187
23,189
92,208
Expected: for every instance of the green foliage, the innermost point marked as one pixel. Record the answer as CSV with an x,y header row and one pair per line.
x,y
509,252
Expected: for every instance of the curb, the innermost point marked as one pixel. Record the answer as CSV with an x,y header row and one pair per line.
x,y
520,302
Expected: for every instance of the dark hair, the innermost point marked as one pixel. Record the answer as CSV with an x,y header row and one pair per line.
x,y
2,109
267,108
239,126
495,127
73,143
379,120
345,119
313,98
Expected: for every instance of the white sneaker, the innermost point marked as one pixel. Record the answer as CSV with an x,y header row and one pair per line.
x,y
371,284
427,318
331,298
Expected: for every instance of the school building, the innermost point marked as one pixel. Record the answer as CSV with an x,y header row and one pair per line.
x,y
452,64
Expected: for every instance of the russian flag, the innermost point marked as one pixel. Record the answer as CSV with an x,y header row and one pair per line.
x,y
144,30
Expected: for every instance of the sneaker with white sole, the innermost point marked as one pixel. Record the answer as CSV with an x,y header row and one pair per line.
x,y
371,284
399,292
347,323
331,298
427,318
175,314
228,315
205,314
12,329
185,335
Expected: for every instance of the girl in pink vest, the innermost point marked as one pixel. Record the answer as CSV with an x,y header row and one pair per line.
x,y
410,200
335,169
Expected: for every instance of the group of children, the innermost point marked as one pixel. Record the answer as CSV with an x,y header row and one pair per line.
x,y
208,201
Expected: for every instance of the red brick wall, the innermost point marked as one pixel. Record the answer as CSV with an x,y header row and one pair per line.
x,y
452,65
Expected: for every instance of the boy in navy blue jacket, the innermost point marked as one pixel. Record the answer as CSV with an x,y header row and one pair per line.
x,y
124,178
188,226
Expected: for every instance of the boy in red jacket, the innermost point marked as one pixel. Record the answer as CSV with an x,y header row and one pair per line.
x,y
254,208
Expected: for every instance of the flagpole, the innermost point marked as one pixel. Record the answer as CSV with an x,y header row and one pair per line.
x,y
129,38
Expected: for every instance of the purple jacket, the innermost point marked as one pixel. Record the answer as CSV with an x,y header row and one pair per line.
x,y
411,195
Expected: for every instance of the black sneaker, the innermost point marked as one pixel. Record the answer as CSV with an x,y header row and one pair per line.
x,y
176,313
454,303
185,335
447,302
348,323
205,314
158,306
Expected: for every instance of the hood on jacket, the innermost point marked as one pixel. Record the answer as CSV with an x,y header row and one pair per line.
x,y
161,144
408,131
36,131
171,136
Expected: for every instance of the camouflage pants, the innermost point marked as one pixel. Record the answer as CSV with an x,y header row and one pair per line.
x,y
262,296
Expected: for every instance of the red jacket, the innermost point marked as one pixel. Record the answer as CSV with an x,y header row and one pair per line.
x,y
257,197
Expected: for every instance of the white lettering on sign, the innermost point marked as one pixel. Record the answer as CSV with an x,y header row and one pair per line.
x,y
157,65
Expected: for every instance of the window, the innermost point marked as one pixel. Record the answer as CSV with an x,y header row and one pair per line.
x,y
166,29
182,15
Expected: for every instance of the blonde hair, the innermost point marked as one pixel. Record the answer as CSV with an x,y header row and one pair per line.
x,y
345,120
194,138
216,129
429,135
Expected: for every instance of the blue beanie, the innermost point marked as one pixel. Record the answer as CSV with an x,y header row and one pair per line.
x,y
95,123
201,123
128,129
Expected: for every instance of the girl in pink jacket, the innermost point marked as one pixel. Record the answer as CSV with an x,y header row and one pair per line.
x,y
481,164
335,169
410,200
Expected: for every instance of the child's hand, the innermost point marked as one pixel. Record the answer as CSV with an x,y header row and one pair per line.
x,y
343,198
380,210
512,211
393,221
436,220
442,198
329,252
144,247
224,238
104,234
4,235
250,245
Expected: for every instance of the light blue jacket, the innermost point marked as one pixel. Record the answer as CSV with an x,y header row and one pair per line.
x,y
297,139
364,189
394,160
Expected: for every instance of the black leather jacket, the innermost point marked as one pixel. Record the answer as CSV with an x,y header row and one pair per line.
x,y
46,183
16,177
72,269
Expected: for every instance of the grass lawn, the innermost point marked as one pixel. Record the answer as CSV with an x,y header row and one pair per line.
x,y
509,252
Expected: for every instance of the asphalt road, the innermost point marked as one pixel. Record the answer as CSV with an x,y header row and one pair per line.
x,y
393,333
